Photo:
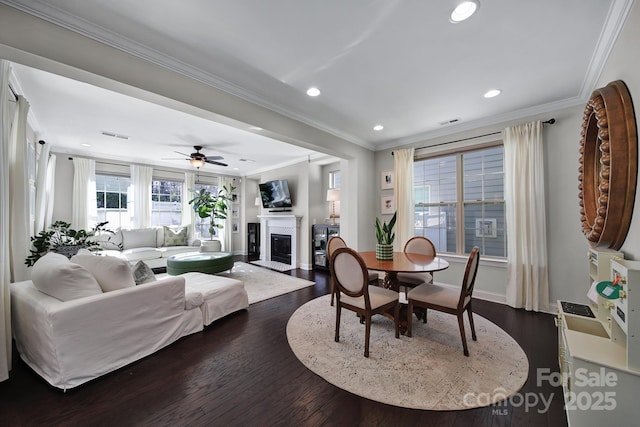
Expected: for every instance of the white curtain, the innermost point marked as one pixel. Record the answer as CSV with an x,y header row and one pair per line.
x,y
50,190
19,192
84,214
140,196
42,202
527,269
403,188
225,236
188,215
5,229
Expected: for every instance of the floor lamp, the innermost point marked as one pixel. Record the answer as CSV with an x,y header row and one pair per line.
x,y
333,196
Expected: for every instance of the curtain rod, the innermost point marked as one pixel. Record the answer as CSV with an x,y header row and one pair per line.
x,y
546,122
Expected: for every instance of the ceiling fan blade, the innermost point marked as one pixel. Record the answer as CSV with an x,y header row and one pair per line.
x,y
174,158
215,163
215,157
182,154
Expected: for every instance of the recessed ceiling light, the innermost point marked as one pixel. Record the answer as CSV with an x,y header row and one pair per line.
x,y
86,145
313,91
464,11
493,92
378,128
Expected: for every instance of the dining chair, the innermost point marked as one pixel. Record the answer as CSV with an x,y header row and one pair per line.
x,y
417,245
353,292
334,243
448,300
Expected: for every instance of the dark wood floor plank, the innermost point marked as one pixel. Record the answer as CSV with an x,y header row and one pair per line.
x,y
240,371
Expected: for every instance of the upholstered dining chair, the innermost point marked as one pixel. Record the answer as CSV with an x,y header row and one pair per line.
x,y
448,300
334,243
417,245
353,292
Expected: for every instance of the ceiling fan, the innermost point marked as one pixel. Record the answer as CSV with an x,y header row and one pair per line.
x,y
198,159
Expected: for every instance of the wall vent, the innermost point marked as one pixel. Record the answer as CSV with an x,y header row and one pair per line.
x,y
449,122
114,135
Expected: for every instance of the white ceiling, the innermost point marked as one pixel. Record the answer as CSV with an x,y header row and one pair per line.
x,y
399,63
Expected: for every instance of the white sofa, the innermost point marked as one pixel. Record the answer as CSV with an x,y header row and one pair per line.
x,y
147,244
87,329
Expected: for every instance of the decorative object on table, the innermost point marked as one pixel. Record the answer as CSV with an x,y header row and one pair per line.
x,y
63,239
387,204
609,289
385,237
386,182
213,206
608,166
333,196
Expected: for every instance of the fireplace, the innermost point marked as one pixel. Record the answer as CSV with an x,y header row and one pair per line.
x,y
281,248
286,226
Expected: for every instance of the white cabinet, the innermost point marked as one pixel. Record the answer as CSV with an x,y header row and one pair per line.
x,y
599,357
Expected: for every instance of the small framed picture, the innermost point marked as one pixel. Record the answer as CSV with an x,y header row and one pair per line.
x,y
235,198
235,227
388,205
235,212
386,182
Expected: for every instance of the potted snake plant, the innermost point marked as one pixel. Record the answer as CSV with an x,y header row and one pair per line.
x,y
385,237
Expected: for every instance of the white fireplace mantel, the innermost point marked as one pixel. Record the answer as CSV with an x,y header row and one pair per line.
x,y
279,224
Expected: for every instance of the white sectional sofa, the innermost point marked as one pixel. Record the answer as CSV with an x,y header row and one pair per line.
x,y
151,245
76,321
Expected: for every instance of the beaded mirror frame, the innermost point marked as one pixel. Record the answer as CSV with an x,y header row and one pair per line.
x,y
608,166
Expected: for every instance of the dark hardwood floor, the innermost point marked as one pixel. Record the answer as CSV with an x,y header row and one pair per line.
x,y
240,371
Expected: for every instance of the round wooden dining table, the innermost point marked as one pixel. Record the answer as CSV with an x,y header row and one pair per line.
x,y
402,263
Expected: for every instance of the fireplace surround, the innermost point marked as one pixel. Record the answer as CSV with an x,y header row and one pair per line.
x,y
283,225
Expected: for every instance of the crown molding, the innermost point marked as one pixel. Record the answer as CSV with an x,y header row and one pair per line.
x,y
614,22
484,122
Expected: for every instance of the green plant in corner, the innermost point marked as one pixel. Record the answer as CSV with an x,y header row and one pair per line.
x,y
61,236
384,231
212,206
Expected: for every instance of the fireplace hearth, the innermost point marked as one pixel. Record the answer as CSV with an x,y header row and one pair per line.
x,y
281,248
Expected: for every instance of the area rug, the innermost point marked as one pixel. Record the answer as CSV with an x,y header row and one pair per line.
x,y
427,371
261,283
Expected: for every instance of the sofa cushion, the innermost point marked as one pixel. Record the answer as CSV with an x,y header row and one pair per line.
x,y
56,276
143,237
111,273
142,273
136,254
175,236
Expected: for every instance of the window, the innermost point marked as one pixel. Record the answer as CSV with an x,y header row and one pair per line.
x,y
111,195
334,179
462,189
166,202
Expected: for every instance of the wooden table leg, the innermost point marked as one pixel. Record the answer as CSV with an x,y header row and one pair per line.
x,y
391,282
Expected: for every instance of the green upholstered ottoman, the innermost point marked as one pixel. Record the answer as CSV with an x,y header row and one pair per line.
x,y
202,262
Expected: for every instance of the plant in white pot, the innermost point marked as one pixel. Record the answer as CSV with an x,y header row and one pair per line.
x,y
385,237
213,206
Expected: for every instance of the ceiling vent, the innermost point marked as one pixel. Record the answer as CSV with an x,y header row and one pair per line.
x,y
114,135
449,122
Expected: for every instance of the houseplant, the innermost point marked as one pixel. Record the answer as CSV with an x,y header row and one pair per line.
x,y
385,237
63,239
212,206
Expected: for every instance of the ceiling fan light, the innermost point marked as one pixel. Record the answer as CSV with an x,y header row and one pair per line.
x,y
197,163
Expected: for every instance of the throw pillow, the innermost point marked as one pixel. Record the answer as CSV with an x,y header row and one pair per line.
x,y
111,273
142,273
56,276
175,236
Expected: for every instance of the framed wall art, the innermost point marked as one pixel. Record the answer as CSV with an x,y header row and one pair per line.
x,y
388,204
386,182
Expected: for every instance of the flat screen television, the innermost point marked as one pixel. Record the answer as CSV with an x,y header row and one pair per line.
x,y
275,195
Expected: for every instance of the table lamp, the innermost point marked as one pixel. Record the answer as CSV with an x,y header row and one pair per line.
x,y
333,196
